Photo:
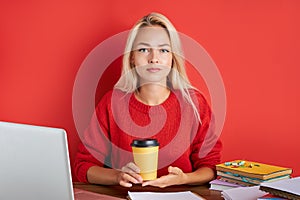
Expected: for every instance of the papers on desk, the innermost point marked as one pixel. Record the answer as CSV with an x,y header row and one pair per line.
x,y
245,193
163,196
289,188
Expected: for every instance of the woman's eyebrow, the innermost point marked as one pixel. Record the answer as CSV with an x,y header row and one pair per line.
x,y
143,44
162,45
149,45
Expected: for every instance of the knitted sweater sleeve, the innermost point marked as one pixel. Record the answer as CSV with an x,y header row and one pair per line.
x,y
206,146
94,145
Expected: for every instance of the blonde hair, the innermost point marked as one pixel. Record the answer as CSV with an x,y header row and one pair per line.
x,y
177,78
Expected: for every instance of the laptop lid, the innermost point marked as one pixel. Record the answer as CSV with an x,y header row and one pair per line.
x,y
34,163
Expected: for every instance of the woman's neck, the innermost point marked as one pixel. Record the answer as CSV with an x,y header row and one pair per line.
x,y
152,94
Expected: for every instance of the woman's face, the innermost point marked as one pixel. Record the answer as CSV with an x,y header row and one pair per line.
x,y
152,55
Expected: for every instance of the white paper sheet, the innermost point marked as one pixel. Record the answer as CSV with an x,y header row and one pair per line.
x,y
163,196
245,193
288,185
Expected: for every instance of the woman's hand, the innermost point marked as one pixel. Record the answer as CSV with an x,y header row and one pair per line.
x,y
175,177
128,175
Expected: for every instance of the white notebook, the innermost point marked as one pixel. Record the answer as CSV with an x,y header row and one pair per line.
x,y
288,187
245,193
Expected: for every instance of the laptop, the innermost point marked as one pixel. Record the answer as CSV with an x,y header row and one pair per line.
x,y
34,163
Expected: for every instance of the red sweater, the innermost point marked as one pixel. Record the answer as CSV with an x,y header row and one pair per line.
x,y
120,118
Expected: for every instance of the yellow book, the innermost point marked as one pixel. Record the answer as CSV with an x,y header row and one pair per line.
x,y
253,169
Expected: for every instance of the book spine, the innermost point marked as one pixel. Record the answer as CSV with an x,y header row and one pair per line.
x,y
249,179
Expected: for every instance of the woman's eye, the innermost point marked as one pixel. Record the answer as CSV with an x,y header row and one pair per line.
x,y
143,50
164,50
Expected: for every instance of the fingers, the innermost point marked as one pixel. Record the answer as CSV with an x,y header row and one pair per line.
x,y
133,167
127,180
129,174
152,183
174,170
133,171
175,177
147,183
125,184
161,182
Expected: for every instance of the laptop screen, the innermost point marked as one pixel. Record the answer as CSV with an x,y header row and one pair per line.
x,y
34,163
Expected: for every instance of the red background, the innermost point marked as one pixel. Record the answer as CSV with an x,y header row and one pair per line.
x,y
255,45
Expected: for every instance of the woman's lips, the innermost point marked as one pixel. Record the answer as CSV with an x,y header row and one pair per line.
x,y
153,69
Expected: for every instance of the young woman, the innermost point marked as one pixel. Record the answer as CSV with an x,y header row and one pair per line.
x,y
152,99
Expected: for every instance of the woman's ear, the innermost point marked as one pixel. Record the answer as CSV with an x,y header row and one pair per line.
x,y
132,60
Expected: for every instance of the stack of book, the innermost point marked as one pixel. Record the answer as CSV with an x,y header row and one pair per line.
x,y
247,173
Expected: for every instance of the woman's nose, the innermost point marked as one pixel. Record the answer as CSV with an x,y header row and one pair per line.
x,y
153,56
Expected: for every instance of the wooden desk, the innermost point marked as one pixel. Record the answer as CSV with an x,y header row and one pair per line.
x,y
119,191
